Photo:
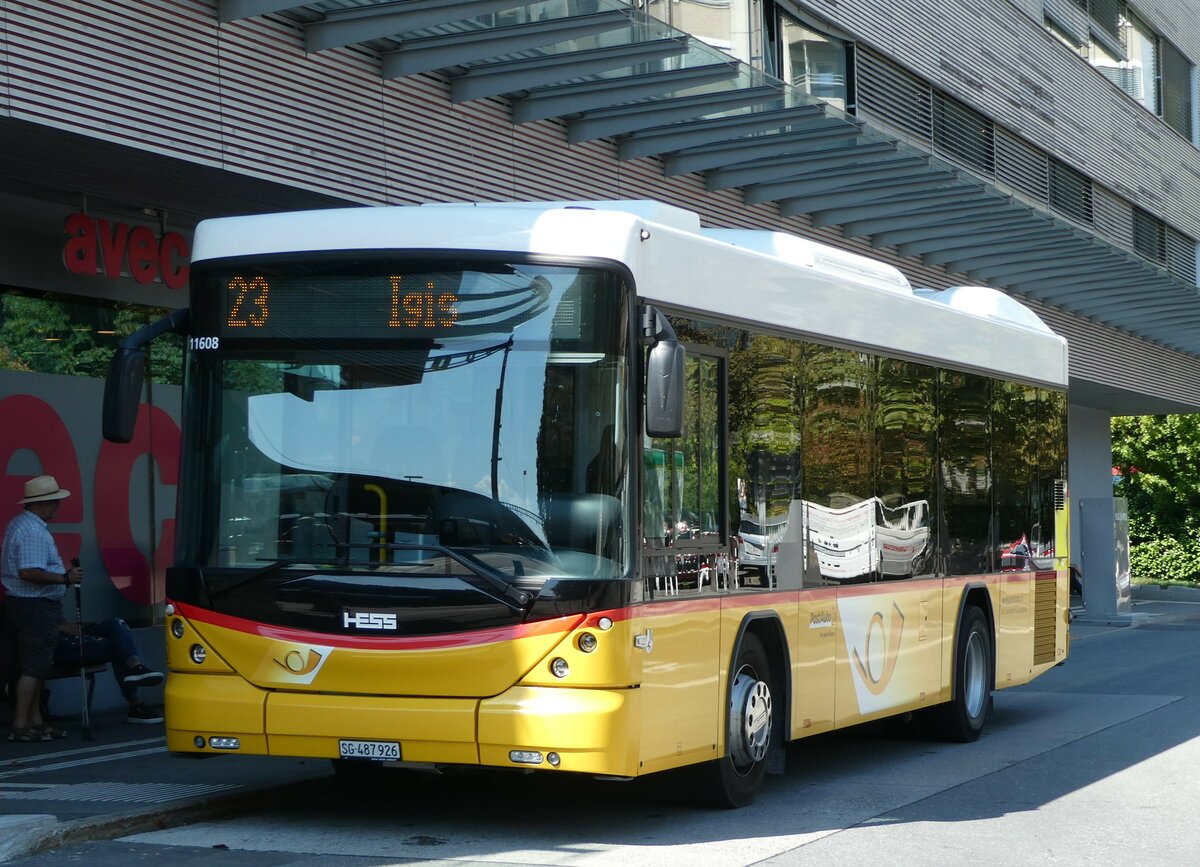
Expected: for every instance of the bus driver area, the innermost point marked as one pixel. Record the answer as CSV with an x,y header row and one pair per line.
x,y
587,487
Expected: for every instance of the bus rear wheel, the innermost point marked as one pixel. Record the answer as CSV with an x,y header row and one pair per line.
x,y
961,720
735,778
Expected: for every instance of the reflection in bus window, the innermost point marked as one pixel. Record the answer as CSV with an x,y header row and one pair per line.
x,y
765,408
906,468
1015,470
684,545
376,459
965,451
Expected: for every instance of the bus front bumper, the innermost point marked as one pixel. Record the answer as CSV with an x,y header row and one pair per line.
x,y
592,731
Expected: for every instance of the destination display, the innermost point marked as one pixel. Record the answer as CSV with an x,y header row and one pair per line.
x,y
426,305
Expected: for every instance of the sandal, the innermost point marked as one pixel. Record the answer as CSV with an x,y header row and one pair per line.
x,y
28,735
47,729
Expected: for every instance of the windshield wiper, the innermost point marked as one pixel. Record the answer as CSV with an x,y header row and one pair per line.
x,y
514,596
272,567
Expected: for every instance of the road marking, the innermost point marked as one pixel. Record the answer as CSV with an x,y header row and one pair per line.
x,y
81,751
81,762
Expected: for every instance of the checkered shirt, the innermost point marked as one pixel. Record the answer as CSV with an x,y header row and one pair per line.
x,y
29,545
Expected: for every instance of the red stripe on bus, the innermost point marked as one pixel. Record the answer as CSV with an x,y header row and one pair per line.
x,y
362,642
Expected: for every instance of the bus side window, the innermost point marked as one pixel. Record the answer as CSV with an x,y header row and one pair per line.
x,y
682,495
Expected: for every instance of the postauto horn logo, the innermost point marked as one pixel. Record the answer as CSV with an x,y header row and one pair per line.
x,y
873,640
300,664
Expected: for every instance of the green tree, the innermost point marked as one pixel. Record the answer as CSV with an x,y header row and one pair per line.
x,y
1158,461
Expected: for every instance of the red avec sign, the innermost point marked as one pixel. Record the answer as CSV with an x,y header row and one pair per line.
x,y
95,246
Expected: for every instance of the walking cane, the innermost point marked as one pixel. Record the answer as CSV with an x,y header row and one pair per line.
x,y
83,685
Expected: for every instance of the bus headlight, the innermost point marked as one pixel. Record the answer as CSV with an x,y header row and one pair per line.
x,y
177,628
587,642
559,667
198,654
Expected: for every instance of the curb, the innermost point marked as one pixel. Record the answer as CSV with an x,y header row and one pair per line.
x,y
48,834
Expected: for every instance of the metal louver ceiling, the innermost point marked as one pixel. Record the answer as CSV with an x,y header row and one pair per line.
x,y
607,70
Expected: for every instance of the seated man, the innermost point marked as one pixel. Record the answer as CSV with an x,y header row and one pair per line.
x,y
111,641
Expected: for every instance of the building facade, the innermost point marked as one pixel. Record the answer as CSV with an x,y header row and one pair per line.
x,y
1047,148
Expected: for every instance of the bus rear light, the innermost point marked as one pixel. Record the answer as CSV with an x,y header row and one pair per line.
x,y
525,757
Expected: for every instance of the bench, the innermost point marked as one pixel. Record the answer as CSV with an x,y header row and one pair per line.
x,y
66,672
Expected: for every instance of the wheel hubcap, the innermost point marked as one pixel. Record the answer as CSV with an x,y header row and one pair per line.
x,y
975,680
750,719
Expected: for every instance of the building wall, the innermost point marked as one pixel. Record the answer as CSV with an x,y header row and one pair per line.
x,y
999,58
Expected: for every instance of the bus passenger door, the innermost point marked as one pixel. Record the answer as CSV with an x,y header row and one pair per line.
x,y
684,570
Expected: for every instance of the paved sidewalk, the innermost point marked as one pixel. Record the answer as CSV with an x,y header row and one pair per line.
x,y
122,782
125,782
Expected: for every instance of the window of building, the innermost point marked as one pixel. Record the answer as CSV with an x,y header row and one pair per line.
x,y
1177,90
1125,49
76,337
808,56
814,62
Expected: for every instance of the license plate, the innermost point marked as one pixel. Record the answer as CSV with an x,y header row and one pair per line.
x,y
372,751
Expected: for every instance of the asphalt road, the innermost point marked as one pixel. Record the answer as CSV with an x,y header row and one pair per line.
x,y
1097,762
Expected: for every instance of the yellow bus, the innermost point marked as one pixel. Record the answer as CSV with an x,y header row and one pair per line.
x,y
462,485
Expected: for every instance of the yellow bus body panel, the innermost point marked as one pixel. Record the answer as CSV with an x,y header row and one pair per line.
x,y
593,731
681,696
428,729
275,659
814,658
214,704
890,649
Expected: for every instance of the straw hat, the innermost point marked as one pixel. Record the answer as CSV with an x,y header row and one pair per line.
x,y
41,489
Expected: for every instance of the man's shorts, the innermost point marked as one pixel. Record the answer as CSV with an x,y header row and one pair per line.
x,y
35,623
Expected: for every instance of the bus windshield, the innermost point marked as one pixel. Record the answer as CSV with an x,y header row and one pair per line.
x,y
476,422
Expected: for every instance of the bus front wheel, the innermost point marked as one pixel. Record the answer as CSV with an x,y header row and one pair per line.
x,y
961,720
735,779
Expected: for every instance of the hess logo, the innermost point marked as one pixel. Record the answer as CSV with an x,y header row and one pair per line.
x,y
368,620
881,651
295,662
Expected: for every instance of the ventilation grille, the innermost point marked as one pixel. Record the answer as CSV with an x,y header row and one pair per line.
x,y
890,95
1070,193
1022,166
1045,620
1181,255
1113,217
1149,236
963,134
1060,495
1070,18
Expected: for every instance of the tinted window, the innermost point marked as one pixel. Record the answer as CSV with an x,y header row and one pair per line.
x,y
765,401
906,468
839,483
1015,474
965,446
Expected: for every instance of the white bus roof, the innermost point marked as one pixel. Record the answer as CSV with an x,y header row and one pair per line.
x,y
774,279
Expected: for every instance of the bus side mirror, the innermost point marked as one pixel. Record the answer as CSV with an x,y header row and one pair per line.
x,y
127,372
123,394
664,376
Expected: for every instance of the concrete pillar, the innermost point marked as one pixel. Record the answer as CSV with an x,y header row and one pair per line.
x,y
1089,444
